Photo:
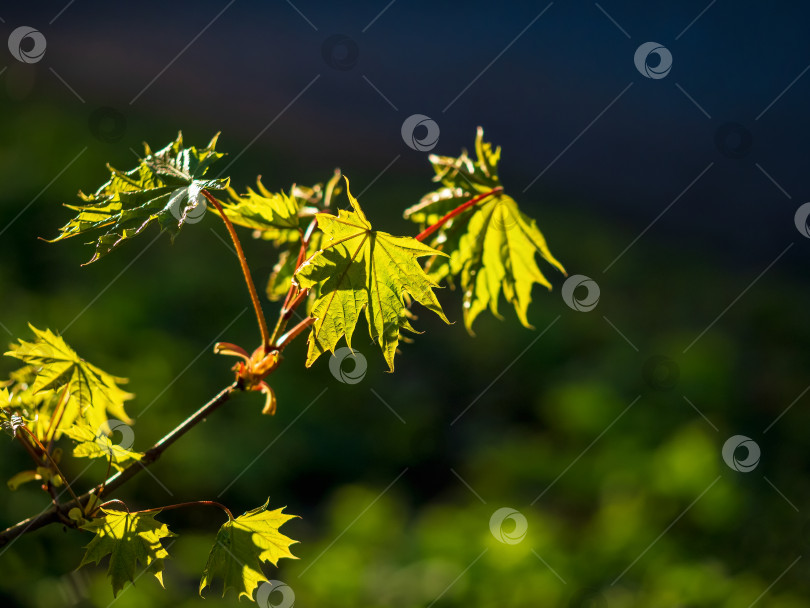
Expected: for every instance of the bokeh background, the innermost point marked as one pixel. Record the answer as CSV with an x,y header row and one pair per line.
x,y
676,195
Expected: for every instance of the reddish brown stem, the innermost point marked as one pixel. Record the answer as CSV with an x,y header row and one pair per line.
x,y
294,297
296,331
29,448
245,269
55,466
457,211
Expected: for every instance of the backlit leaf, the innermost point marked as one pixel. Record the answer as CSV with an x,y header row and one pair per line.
x,y
92,392
132,540
242,545
359,269
164,188
492,245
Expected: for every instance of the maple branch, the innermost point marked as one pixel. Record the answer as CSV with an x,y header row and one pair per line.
x,y
193,503
51,515
254,298
457,211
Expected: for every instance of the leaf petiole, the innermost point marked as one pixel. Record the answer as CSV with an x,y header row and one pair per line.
x,y
254,298
457,211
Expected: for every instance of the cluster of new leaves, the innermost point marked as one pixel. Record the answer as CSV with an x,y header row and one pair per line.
x,y
58,393
283,219
490,246
348,268
334,260
165,188
134,543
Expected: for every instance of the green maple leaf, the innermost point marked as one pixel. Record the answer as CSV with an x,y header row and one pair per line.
x,y
275,214
37,408
164,188
92,392
491,246
132,540
359,269
91,443
242,545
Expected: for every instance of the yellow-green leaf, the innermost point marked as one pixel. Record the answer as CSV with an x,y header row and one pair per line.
x,y
242,545
92,443
164,188
132,540
264,210
361,269
92,392
492,245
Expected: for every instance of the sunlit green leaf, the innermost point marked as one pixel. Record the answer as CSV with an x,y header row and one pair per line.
x,y
93,443
132,540
164,188
92,393
492,245
361,269
242,545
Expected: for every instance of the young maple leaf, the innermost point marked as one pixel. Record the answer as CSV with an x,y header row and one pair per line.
x,y
92,392
361,269
132,540
491,246
164,188
242,545
93,443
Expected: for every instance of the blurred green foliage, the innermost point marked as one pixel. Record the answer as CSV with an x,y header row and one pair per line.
x,y
636,506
